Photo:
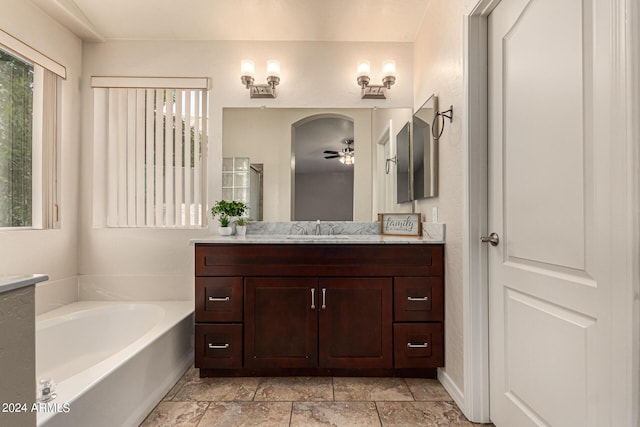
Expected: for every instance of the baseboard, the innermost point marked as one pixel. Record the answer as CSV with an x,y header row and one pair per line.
x,y
452,389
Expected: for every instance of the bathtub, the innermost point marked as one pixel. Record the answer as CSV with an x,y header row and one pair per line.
x,y
112,362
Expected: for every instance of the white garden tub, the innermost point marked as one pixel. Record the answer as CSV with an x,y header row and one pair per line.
x,y
112,362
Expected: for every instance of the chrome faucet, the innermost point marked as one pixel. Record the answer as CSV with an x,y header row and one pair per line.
x,y
302,229
318,230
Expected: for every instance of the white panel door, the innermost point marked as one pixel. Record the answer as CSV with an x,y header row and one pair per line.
x,y
549,183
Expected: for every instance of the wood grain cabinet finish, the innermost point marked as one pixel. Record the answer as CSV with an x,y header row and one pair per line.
x,y
218,346
355,323
219,299
307,309
281,322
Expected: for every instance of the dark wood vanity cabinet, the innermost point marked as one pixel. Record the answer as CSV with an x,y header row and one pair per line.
x,y
281,325
319,309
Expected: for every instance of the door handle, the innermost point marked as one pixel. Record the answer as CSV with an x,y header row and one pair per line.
x,y
324,297
313,298
492,238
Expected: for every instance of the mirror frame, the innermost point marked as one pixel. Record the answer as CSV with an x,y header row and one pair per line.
x,y
424,124
404,176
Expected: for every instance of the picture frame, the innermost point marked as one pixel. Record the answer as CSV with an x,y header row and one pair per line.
x,y
400,224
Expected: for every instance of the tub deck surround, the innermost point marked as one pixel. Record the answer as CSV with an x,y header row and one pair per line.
x,y
358,305
95,351
16,281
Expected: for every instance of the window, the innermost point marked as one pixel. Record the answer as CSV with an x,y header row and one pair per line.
x,y
28,152
150,139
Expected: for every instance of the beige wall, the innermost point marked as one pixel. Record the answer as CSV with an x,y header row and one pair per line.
x,y
438,69
320,75
53,252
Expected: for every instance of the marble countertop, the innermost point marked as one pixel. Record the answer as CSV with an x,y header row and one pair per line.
x,y
330,232
10,282
354,239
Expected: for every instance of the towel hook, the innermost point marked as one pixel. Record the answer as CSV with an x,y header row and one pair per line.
x,y
393,159
448,114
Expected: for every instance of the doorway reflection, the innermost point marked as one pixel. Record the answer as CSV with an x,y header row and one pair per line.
x,y
323,176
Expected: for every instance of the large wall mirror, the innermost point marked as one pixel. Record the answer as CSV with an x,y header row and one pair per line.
x,y
353,140
424,155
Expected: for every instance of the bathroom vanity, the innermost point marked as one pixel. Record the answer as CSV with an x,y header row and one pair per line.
x,y
287,305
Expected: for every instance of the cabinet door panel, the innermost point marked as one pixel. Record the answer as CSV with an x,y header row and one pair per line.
x,y
280,323
355,323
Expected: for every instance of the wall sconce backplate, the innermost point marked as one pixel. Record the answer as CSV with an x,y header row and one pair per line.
x,y
262,91
374,92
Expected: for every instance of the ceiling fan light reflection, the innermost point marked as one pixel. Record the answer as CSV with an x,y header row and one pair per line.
x,y
347,160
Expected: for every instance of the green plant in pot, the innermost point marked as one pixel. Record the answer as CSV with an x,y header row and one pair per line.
x,y
241,226
225,210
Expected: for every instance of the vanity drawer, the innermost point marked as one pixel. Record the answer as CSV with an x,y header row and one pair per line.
x,y
219,299
327,260
418,299
218,346
418,345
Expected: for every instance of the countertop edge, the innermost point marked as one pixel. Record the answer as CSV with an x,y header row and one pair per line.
x,y
17,281
279,239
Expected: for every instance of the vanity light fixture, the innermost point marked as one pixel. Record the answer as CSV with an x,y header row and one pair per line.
x,y
376,91
247,76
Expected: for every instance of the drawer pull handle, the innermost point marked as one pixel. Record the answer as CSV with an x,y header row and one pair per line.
x,y
218,347
215,299
417,298
313,298
412,345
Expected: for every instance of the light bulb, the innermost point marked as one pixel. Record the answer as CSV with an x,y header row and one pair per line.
x,y
364,68
273,68
389,68
247,68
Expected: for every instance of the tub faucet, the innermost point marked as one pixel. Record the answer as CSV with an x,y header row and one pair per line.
x,y
318,230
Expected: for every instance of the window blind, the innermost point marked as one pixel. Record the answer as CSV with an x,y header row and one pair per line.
x,y
150,147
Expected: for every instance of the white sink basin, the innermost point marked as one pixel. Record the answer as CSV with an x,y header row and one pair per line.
x,y
320,237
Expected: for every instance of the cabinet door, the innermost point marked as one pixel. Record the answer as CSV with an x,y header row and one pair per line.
x,y
355,323
281,322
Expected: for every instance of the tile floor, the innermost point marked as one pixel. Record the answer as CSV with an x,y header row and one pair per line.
x,y
305,401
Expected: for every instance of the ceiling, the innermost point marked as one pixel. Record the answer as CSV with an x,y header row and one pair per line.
x,y
259,20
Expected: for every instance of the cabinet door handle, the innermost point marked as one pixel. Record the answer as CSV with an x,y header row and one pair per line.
x,y
313,298
218,347
324,297
217,299
412,345
417,298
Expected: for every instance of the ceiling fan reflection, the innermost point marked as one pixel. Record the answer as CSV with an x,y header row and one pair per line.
x,y
346,155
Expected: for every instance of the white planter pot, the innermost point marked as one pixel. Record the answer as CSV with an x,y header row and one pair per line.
x,y
225,231
241,230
